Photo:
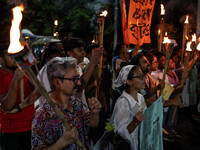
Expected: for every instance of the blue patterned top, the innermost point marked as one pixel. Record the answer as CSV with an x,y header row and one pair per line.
x,y
47,127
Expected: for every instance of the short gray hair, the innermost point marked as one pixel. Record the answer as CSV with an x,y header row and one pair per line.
x,y
59,67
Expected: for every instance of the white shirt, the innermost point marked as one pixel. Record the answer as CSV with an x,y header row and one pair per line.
x,y
125,108
43,78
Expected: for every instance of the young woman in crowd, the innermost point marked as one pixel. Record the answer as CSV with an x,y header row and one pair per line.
x,y
127,114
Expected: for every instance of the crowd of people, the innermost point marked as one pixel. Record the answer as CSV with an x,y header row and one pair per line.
x,y
89,91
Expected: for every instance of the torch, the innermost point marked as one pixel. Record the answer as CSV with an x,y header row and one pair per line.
x,y
55,33
23,56
185,32
162,15
100,23
191,47
186,61
168,49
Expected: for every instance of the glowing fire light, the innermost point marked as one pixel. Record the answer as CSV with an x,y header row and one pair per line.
x,y
198,47
104,13
55,22
187,19
186,37
93,41
194,37
188,47
159,32
15,45
166,40
162,9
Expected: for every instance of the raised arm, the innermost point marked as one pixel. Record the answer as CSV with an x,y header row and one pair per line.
x,y
9,100
90,68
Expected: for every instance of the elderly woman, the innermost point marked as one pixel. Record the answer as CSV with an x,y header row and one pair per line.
x,y
47,129
127,114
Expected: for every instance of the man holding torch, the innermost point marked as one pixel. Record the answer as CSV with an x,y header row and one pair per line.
x,y
48,132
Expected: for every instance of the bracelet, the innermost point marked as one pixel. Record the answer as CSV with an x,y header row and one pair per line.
x,y
18,108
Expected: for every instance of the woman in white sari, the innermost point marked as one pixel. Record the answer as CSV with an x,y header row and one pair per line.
x,y
127,114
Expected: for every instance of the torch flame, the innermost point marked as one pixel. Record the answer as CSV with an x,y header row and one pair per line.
x,y
166,40
15,45
55,22
186,37
104,13
165,33
198,47
188,46
187,19
93,41
159,32
162,9
194,37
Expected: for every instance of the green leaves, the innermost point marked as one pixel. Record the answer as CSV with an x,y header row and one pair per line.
x,y
109,127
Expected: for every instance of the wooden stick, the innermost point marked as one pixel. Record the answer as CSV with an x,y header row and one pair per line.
x,y
22,89
183,43
161,32
168,49
184,76
101,31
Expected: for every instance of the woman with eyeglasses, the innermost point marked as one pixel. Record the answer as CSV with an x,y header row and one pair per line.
x,y
150,81
127,114
47,129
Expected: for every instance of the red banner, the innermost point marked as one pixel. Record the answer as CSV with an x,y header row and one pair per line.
x,y
124,22
139,21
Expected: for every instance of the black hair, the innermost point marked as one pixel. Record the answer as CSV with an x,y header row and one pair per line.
x,y
70,43
50,50
136,58
3,48
150,57
90,47
130,76
118,48
159,55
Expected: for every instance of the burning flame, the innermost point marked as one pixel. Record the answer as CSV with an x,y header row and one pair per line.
x,y
165,33
187,19
104,13
15,45
186,37
162,9
93,41
198,47
188,46
194,37
166,40
55,22
159,32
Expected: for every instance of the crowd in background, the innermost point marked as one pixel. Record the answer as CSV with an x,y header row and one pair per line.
x,y
89,93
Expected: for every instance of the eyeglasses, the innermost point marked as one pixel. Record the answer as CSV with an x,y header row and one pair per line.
x,y
74,79
141,77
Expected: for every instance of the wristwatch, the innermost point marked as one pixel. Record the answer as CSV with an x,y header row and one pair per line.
x,y
18,108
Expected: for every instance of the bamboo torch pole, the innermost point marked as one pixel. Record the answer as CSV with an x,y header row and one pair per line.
x,y
185,32
101,22
162,15
168,48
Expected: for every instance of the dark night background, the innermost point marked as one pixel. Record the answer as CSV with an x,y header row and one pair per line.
x,y
78,18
